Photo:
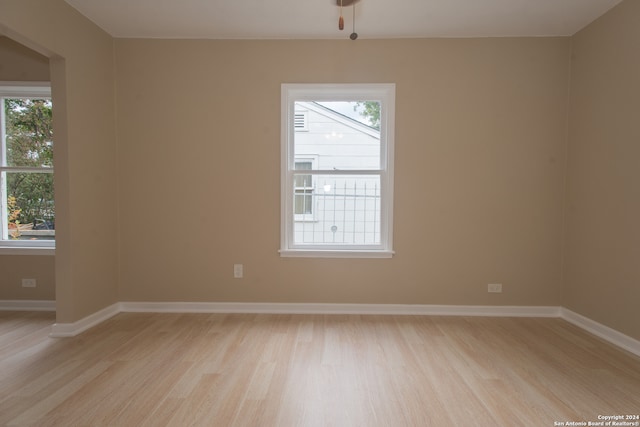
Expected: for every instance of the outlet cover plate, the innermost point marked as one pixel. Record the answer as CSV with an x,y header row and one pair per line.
x,y
494,287
28,283
238,271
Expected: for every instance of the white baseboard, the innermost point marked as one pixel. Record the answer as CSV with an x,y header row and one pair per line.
x,y
373,309
614,337
598,329
27,305
61,330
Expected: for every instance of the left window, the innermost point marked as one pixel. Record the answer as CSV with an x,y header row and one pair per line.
x,y
27,208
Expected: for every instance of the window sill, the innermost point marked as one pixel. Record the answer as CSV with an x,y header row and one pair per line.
x,y
314,253
27,250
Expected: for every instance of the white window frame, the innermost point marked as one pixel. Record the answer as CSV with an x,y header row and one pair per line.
x,y
290,94
33,90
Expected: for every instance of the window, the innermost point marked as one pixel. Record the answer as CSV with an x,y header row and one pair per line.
x,y
27,210
337,175
303,190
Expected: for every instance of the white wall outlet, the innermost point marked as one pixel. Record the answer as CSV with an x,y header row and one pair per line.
x,y
494,287
28,283
238,271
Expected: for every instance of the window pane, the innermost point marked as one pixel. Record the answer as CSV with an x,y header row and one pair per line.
x,y
346,211
303,200
303,165
30,206
29,132
342,135
302,181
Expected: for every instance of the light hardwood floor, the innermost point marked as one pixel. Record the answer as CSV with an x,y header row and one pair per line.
x,y
295,370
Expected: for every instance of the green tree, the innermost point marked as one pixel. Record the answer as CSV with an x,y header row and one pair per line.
x,y
29,138
371,111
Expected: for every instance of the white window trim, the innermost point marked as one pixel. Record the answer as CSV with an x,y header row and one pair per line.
x,y
21,90
290,93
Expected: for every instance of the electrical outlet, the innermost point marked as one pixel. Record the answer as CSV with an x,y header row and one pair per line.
x,y
28,283
494,287
238,271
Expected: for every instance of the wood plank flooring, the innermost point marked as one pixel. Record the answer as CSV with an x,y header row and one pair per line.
x,y
315,370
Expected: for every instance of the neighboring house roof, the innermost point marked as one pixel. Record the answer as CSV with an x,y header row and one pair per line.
x,y
340,118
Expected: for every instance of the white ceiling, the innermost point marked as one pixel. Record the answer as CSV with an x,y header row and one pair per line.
x,y
318,19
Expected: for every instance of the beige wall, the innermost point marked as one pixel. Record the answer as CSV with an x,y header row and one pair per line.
x,y
19,63
81,57
15,268
602,279
480,145
481,137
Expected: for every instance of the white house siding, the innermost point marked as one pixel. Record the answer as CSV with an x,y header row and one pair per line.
x,y
340,209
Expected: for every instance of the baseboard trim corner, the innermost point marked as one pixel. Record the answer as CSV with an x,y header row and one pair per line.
x,y
63,330
27,305
598,329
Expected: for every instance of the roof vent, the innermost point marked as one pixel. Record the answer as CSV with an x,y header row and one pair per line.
x,y
300,121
